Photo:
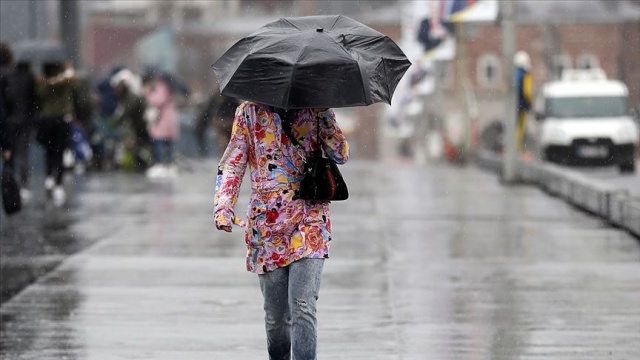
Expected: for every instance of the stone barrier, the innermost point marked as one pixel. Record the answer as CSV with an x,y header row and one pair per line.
x,y
612,204
631,215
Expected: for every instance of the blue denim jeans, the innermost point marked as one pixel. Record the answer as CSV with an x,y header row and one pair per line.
x,y
290,295
163,151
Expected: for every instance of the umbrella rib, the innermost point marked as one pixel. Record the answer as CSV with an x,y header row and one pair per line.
x,y
364,91
386,76
292,24
335,22
293,70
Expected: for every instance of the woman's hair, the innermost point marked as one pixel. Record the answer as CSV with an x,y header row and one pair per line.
x,y
52,69
23,66
6,56
288,117
148,79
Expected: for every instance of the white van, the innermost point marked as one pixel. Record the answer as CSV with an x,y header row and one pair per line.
x,y
586,120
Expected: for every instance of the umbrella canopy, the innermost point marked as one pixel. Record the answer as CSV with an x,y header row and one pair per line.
x,y
40,52
312,62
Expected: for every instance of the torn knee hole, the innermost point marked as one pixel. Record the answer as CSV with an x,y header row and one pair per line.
x,y
302,305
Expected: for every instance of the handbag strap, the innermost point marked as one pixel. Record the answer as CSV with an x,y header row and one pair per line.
x,y
317,153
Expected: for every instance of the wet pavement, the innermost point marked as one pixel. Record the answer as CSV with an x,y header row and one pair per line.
x,y
39,238
429,262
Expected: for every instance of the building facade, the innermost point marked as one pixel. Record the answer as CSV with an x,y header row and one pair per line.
x,y
552,48
205,29
557,35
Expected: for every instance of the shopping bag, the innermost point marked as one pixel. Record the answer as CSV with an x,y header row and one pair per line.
x,y
10,192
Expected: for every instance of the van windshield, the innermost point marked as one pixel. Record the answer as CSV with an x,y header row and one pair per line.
x,y
587,107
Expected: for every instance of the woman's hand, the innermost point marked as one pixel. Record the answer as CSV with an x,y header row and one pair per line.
x,y
223,223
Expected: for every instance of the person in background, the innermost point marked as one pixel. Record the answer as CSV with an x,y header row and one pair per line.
x,y
164,127
84,126
287,238
105,140
5,144
217,111
55,97
6,59
524,86
129,121
20,108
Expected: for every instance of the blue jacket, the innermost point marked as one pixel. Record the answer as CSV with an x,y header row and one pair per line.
x,y
524,98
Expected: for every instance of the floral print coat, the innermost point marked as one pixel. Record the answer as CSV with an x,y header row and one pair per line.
x,y
280,227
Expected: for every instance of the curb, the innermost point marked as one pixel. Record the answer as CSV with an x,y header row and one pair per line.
x,y
616,206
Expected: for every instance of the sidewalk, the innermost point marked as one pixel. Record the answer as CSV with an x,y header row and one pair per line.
x,y
427,263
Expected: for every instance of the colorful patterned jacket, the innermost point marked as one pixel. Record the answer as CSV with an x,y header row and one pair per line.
x,y
280,227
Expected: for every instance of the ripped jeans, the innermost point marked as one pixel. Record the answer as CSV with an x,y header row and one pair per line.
x,y
290,295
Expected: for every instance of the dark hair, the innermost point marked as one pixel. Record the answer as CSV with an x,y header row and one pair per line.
x,y
52,69
288,117
6,56
23,66
148,78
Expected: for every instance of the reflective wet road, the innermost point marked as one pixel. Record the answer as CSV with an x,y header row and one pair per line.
x,y
427,263
611,175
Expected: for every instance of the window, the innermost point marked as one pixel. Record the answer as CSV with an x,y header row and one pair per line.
x,y
489,73
587,107
587,61
560,63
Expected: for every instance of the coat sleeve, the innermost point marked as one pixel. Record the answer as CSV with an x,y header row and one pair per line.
x,y
334,142
231,171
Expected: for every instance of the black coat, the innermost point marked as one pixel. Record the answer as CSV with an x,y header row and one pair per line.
x,y
19,97
5,142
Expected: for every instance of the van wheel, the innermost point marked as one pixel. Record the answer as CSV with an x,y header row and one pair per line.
x,y
628,167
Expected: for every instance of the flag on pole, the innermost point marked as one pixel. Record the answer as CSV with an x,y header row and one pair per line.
x,y
434,34
457,11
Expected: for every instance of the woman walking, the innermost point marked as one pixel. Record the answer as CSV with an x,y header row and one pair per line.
x,y
55,94
164,130
19,96
287,238
6,59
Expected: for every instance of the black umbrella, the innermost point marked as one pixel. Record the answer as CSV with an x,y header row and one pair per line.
x,y
173,81
40,52
312,62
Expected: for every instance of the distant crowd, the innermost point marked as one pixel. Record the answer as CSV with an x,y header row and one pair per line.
x,y
125,121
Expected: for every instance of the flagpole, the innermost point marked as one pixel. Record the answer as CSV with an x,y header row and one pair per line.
x,y
508,51
461,89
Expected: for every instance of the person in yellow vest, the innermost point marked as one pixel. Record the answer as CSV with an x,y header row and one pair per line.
x,y
524,86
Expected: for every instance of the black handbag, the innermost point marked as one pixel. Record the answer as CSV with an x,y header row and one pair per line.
x,y
322,180
10,192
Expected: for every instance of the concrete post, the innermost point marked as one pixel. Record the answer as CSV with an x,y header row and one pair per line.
x,y
70,29
33,20
508,51
462,80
